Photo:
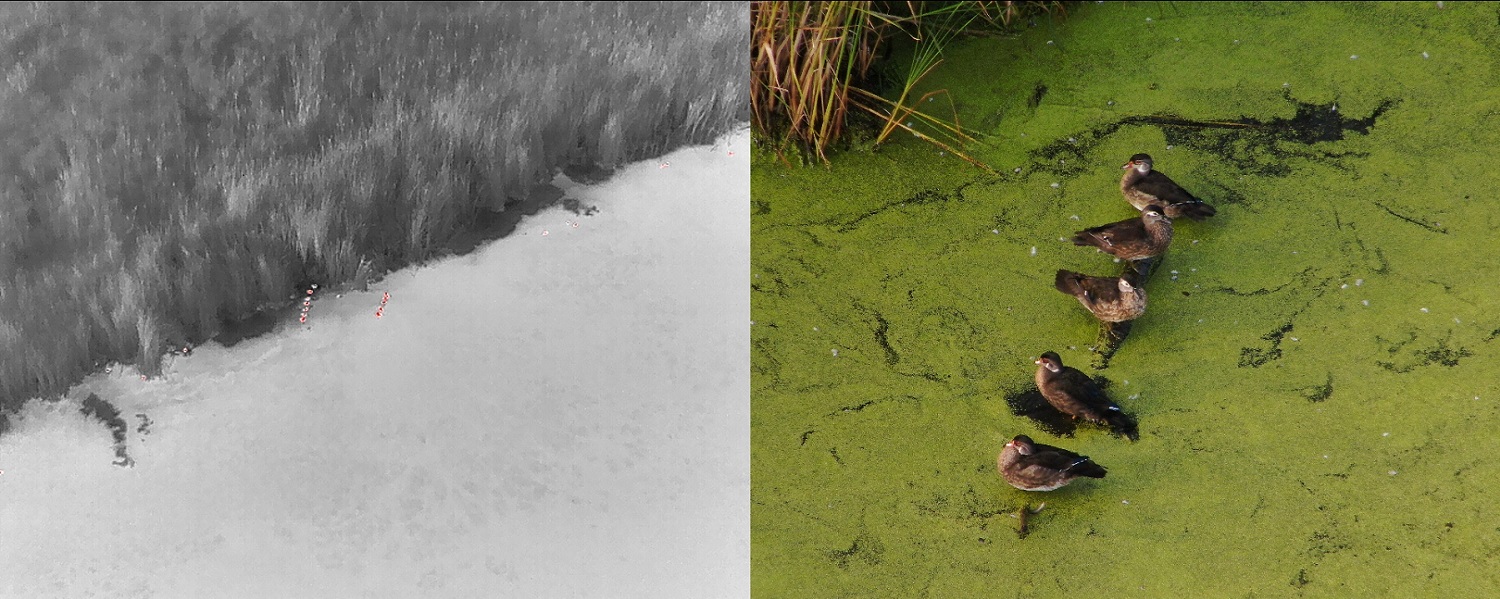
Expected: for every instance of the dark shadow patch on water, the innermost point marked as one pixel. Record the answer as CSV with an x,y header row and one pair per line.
x,y
1030,404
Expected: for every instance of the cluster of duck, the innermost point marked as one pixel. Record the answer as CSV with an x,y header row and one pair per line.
x,y
1115,301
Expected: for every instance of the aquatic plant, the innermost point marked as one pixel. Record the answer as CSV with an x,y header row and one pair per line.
x,y
811,64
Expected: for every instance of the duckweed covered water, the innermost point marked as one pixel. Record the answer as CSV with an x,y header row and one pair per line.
x,y
1317,387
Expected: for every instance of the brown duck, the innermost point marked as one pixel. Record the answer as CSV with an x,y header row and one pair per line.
x,y
1138,238
1073,393
1143,187
1031,466
1110,299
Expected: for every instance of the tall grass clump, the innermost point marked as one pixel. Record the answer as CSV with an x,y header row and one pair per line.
x,y
811,66
167,169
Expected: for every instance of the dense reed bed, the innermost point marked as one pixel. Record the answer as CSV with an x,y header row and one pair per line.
x,y
814,64
167,169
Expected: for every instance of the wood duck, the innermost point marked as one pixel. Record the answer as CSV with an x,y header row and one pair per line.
x,y
1133,238
1110,299
1115,301
1143,187
1073,393
1031,466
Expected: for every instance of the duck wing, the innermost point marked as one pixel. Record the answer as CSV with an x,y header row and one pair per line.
x,y
1062,460
1163,188
1178,201
1112,234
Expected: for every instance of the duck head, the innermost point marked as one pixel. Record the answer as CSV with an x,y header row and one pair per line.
x,y
1140,162
1022,444
1051,361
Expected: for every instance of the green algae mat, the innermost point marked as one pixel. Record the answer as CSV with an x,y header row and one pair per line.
x,y
1316,376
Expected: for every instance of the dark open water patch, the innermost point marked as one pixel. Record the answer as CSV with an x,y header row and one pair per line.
x,y
1250,144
